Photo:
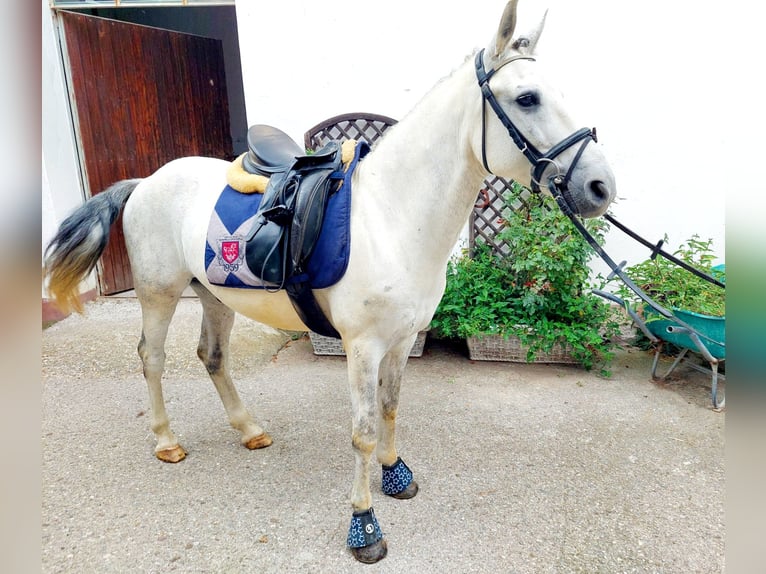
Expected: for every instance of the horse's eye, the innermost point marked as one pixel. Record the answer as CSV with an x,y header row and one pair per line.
x,y
528,100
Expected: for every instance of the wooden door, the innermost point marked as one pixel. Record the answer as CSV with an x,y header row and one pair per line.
x,y
142,97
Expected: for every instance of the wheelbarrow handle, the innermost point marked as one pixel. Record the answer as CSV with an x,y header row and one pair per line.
x,y
633,315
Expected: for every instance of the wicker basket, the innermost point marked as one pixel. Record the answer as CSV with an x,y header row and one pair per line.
x,y
330,346
498,348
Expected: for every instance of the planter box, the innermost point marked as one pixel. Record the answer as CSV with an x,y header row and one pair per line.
x,y
330,346
498,348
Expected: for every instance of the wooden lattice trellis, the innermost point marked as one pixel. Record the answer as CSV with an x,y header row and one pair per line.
x,y
495,203
353,126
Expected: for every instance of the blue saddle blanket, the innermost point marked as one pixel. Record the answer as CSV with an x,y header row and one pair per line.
x,y
234,215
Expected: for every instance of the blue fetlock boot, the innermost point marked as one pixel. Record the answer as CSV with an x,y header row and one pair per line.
x,y
365,539
397,480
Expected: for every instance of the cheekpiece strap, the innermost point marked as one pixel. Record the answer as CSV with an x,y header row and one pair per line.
x,y
396,478
364,529
488,97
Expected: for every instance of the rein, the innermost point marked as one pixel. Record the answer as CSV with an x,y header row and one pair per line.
x,y
617,270
559,187
657,250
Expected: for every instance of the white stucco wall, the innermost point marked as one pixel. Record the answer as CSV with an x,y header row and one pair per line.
x,y
641,73
61,188
662,81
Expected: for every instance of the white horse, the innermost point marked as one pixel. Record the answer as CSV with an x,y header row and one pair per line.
x,y
412,195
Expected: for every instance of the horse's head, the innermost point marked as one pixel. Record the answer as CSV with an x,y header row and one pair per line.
x,y
524,122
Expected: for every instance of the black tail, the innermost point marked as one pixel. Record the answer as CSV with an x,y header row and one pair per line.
x,y
79,242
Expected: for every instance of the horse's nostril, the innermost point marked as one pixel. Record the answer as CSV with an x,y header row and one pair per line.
x,y
599,190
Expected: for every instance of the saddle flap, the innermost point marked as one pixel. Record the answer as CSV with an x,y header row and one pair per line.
x,y
317,185
308,218
289,220
270,150
264,252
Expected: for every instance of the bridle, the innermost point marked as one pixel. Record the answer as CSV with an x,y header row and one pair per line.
x,y
558,183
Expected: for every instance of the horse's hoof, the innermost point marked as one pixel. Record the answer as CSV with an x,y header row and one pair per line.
x,y
407,493
371,554
172,454
261,441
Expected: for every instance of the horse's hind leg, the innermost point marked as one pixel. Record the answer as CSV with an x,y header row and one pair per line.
x,y
157,310
213,350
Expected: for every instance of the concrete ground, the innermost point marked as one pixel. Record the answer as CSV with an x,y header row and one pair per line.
x,y
522,468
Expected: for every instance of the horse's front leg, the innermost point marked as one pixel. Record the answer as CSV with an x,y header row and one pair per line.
x,y
396,476
365,538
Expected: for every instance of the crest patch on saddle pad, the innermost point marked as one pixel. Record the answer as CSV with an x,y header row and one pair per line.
x,y
225,250
232,250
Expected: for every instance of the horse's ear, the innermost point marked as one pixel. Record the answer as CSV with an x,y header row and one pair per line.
x,y
506,28
526,43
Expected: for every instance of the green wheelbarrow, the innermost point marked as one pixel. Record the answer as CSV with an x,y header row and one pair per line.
x,y
688,331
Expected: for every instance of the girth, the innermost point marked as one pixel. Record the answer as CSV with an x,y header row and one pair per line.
x,y
289,220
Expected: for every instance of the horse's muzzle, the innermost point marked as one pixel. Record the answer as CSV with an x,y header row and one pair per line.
x,y
589,197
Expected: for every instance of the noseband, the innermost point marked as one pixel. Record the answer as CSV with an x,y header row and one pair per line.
x,y
557,183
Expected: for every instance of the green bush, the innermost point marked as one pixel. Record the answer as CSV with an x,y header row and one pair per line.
x,y
538,291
